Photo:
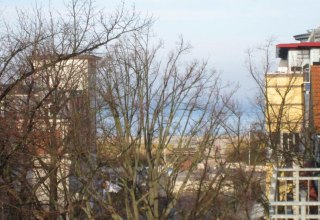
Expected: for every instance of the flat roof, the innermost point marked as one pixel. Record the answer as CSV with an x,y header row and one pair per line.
x,y
299,45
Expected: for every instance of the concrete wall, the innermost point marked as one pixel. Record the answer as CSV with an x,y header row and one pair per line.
x,y
298,58
38,177
314,55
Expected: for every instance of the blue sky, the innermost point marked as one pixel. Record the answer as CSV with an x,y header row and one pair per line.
x,y
220,30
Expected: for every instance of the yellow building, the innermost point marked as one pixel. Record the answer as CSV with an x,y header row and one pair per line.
x,y
291,106
284,116
284,102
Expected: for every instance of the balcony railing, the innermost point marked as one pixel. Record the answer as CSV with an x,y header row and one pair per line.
x,y
294,193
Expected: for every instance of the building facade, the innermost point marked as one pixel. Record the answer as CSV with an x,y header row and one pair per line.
x,y
48,129
293,118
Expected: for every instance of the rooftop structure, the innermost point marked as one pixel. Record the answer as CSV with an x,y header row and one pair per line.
x,y
311,36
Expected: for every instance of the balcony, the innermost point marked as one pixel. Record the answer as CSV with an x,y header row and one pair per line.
x,y
294,193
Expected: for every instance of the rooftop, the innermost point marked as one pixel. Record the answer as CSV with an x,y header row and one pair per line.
x,y
300,45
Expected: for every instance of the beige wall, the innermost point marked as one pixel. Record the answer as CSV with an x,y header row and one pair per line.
x,y
284,101
70,74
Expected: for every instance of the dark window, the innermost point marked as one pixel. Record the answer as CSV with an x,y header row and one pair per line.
x,y
291,141
296,69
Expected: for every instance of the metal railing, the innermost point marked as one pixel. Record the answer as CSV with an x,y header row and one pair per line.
x,y
294,193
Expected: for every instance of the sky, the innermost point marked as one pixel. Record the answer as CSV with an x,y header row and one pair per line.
x,y
219,30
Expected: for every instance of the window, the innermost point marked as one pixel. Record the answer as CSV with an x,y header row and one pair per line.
x,y
303,54
291,141
296,69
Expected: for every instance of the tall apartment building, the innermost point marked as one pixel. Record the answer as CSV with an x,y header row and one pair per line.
x,y
293,116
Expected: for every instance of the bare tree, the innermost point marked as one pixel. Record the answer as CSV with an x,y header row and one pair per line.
x,y
82,30
161,116
45,59
158,121
277,108
244,174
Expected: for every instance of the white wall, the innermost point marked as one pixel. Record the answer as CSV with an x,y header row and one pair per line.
x,y
315,55
298,58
